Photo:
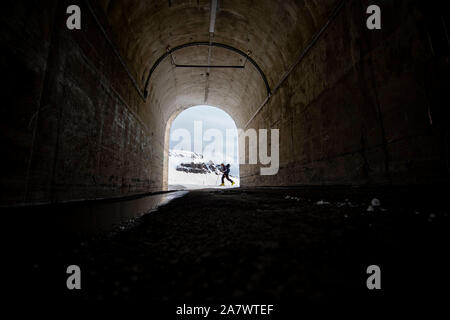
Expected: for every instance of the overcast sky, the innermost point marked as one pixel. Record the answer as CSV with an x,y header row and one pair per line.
x,y
212,118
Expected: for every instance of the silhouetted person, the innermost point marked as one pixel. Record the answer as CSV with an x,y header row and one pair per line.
x,y
226,172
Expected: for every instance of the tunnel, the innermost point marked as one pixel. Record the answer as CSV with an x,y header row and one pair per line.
x,y
362,119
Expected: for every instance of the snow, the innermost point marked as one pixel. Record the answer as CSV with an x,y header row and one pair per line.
x,y
211,178
375,202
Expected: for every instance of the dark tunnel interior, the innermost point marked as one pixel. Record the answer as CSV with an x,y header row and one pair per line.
x,y
361,114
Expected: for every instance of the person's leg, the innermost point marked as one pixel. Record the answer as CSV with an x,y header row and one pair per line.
x,y
223,179
228,178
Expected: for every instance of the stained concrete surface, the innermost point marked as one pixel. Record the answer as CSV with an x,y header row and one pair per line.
x,y
360,106
256,244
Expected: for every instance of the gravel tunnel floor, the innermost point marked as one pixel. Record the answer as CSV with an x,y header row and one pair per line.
x,y
260,243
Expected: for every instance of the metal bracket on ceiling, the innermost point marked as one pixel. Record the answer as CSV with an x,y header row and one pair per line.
x,y
247,56
171,56
208,66
206,43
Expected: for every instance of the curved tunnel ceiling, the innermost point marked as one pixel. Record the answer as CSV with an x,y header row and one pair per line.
x,y
171,51
274,32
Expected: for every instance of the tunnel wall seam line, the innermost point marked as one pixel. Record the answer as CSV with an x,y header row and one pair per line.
x,y
42,97
300,58
324,158
376,98
116,52
112,92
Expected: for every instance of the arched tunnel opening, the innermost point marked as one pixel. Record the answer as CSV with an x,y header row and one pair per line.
x,y
203,144
341,111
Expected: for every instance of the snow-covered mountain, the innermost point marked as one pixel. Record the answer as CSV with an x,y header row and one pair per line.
x,y
190,170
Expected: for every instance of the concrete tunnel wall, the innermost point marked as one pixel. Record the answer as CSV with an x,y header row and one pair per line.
x,y
357,109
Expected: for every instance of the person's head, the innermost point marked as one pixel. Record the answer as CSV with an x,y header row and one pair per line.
x,y
228,165
222,165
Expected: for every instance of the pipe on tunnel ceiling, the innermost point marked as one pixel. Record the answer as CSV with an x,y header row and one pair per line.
x,y
212,26
205,43
212,20
302,55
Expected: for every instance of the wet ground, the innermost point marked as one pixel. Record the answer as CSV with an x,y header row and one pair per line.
x,y
258,244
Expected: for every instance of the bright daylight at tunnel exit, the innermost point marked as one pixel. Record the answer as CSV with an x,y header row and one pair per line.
x,y
203,150
225,158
